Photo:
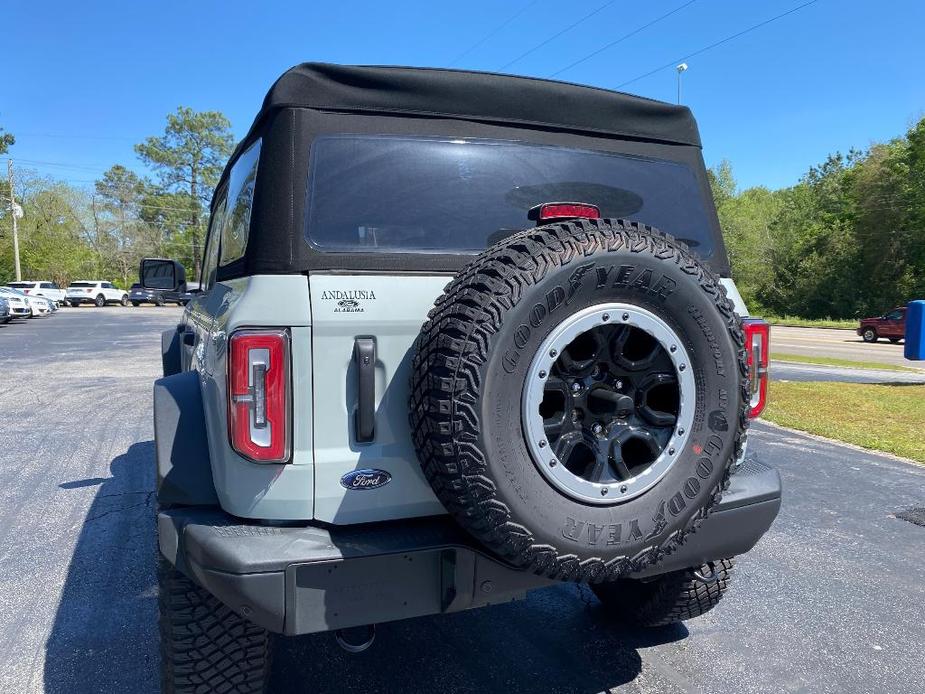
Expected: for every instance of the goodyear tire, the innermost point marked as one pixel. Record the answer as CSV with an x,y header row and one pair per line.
x,y
205,645
578,396
668,599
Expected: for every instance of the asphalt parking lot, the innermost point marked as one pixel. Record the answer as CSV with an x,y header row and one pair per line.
x,y
829,601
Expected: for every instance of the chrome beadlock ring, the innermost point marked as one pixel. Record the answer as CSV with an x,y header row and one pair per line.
x,y
615,482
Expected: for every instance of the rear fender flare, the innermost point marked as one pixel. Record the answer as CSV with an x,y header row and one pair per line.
x,y
184,470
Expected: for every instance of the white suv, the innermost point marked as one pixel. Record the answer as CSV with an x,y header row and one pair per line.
x,y
95,292
49,290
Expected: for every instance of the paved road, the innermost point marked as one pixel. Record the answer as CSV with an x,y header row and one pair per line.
x,y
785,371
829,601
842,344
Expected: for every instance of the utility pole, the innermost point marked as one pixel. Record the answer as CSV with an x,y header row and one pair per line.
x,y
13,215
680,68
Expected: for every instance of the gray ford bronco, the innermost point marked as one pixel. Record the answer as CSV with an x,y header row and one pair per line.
x,y
461,336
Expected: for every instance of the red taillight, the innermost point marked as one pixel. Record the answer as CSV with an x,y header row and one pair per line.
x,y
258,394
757,347
88,290
552,211
26,291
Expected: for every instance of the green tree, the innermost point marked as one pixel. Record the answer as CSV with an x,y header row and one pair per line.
x,y
6,141
189,158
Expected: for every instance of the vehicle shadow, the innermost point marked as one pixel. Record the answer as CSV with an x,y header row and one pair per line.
x,y
104,636
559,639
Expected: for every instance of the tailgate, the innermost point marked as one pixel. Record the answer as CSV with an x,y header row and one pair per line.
x,y
386,311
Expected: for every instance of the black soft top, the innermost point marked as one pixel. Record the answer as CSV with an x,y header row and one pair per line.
x,y
314,100
477,96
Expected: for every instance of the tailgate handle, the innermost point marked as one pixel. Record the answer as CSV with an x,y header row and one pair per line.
x,y
364,353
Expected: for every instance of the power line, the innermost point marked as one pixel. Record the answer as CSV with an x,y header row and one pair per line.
x,y
718,43
493,32
556,35
622,38
62,165
81,137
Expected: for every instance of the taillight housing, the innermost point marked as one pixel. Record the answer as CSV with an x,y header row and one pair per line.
x,y
758,350
554,211
259,401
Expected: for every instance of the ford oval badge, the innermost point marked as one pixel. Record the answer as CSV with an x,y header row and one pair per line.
x,y
365,479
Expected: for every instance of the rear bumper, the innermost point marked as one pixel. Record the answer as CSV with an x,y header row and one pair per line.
x,y
311,579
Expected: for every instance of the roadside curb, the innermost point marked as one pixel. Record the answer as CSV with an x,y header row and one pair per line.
x,y
911,370
852,446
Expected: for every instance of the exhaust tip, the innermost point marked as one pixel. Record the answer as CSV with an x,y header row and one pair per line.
x,y
354,644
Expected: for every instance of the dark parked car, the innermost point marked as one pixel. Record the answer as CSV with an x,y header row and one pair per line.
x,y
142,295
5,315
891,326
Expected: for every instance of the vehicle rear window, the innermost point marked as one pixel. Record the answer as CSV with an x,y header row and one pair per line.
x,y
241,184
400,194
82,284
21,285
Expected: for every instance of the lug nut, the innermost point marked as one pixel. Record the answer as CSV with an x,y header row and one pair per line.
x,y
618,385
597,429
553,353
681,367
681,431
626,316
604,491
606,317
673,348
576,386
623,489
542,374
542,443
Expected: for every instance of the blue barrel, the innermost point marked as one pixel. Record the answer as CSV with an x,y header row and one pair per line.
x,y
915,330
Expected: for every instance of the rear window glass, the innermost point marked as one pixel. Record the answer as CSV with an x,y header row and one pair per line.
x,y
82,284
399,194
241,184
21,285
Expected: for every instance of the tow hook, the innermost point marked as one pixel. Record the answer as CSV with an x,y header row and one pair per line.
x,y
341,637
709,578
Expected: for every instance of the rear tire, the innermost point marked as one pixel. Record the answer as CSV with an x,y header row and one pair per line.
x,y
205,646
669,599
124,300
869,335
895,340
136,304
100,301
75,304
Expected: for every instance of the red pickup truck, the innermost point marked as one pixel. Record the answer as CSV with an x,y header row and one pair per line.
x,y
891,326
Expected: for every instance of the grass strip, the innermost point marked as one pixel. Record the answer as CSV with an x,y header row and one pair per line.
x,y
797,322
881,417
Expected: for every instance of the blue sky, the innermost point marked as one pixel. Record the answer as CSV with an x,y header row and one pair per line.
x,y
90,79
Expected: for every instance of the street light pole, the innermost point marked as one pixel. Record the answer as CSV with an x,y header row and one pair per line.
x,y
682,67
13,215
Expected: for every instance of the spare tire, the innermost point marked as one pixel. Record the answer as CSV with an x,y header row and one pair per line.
x,y
578,397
